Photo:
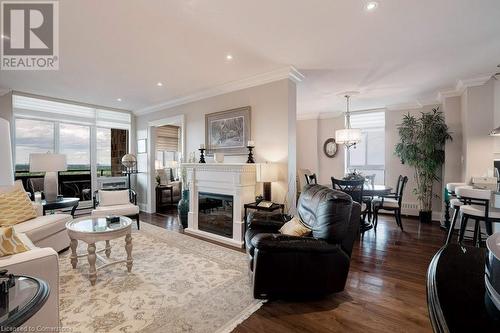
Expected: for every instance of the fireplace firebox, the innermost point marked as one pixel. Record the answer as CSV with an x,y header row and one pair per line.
x,y
215,213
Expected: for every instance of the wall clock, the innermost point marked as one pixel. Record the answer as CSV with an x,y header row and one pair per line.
x,y
330,147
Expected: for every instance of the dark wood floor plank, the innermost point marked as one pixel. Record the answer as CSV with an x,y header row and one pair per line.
x,y
385,291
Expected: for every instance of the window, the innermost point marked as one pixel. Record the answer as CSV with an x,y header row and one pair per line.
x,y
368,156
85,134
74,142
112,145
32,136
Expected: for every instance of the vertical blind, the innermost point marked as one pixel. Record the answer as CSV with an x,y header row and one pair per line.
x,y
167,138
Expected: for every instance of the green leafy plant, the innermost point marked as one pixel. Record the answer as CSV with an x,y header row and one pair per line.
x,y
421,146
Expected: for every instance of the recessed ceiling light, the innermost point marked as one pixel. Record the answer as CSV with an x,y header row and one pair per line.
x,y
159,84
372,5
119,99
229,57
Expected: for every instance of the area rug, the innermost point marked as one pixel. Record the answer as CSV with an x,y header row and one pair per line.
x,y
178,284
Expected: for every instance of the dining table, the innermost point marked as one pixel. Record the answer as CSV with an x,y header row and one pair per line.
x,y
370,190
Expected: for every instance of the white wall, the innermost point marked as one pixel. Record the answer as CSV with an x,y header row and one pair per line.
x,y
272,129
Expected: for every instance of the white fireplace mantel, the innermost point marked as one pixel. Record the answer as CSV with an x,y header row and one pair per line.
x,y
235,179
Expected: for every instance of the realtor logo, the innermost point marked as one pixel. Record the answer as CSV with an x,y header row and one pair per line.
x,y
30,35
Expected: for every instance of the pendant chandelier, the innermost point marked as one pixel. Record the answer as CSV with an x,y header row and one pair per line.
x,y
348,136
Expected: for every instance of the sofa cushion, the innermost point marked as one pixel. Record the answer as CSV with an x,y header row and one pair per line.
x,y
113,198
43,226
10,243
295,227
16,207
124,210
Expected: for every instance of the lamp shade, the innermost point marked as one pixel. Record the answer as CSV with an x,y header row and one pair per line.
x,y
158,165
348,136
6,174
267,172
47,162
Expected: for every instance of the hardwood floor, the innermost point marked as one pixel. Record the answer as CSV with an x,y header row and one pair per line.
x,y
385,290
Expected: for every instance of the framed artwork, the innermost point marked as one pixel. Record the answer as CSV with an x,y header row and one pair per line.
x,y
330,147
142,146
228,131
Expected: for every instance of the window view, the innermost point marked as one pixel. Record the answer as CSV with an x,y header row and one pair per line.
x,y
74,142
368,157
32,136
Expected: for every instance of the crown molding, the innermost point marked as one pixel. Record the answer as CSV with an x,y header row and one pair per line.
x,y
4,91
462,85
288,72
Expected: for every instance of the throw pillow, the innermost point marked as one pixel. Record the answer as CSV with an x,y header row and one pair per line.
x,y
295,227
10,243
16,207
113,198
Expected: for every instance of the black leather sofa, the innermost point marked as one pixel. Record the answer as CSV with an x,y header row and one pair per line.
x,y
284,266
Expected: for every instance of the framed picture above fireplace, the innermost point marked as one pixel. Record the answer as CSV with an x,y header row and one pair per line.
x,y
228,131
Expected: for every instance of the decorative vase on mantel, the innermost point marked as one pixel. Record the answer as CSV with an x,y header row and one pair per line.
x,y
183,208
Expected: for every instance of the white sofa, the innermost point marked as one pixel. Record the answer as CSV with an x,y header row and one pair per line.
x,y
49,236
43,264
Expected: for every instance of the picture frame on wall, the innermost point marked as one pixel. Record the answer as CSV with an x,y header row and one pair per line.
x,y
228,131
142,146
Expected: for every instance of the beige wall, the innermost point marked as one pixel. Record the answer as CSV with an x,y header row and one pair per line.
x,y
312,134
273,110
478,119
6,106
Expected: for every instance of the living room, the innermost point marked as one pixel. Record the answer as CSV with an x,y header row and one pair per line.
x,y
235,166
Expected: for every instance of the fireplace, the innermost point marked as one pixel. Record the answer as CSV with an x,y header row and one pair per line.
x,y
217,195
215,213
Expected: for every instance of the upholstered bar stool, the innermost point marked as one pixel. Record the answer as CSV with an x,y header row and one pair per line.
x,y
454,203
476,207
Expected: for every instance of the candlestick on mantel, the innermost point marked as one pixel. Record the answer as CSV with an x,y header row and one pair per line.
x,y
251,143
202,146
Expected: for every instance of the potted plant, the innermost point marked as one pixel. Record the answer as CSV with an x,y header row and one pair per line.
x,y
421,146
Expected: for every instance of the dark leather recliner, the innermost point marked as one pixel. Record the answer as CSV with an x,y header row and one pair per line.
x,y
289,266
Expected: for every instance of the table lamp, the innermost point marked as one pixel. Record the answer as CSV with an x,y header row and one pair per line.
x,y
51,164
266,174
6,174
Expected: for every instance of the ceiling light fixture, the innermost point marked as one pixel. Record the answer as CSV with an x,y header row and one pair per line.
x,y
348,136
119,99
229,57
159,84
371,6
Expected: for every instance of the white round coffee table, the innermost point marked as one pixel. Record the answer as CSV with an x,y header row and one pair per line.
x,y
96,229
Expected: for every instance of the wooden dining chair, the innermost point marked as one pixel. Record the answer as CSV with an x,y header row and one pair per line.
x,y
391,202
355,189
311,179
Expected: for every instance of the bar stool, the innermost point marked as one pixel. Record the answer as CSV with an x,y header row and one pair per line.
x,y
476,207
455,203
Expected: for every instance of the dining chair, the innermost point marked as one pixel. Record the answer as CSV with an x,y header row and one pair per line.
x,y
391,202
355,189
311,179
455,204
476,207
367,199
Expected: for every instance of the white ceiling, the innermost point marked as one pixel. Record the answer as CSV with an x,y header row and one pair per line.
x,y
404,52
